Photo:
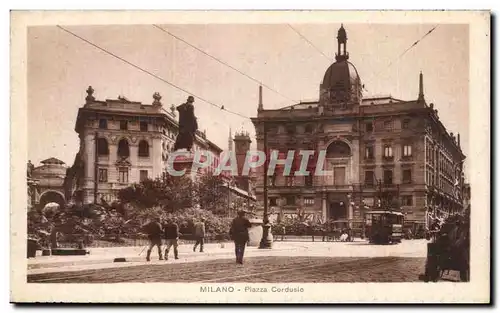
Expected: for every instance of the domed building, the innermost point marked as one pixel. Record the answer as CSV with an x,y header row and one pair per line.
x,y
379,151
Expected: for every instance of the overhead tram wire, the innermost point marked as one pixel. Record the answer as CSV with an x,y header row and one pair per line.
x,y
310,43
404,52
221,107
224,63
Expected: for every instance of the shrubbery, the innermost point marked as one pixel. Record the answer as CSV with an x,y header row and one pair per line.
x,y
216,227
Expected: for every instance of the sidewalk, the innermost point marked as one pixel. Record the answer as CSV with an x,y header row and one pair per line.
x,y
103,257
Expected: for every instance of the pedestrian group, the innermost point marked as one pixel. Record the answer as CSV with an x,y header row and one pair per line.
x,y
156,231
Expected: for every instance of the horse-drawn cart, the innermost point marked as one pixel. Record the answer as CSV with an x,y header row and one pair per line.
x,y
449,250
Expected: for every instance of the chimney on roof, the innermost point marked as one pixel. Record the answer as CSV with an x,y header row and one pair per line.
x,y
230,140
458,139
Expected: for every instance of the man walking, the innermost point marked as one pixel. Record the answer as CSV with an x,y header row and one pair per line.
x,y
172,238
154,231
199,233
239,234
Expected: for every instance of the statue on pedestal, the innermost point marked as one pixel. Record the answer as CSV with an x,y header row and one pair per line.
x,y
31,167
187,126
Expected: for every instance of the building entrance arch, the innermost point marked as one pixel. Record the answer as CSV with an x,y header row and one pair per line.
x,y
52,196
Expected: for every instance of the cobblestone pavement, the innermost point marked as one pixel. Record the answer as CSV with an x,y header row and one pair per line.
x,y
269,269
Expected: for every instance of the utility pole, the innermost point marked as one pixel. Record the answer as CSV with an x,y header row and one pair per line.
x,y
264,243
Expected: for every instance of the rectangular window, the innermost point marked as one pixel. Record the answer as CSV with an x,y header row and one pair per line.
x,y
387,151
123,125
308,201
143,175
339,176
144,126
407,200
388,177
406,176
388,125
369,127
290,200
407,150
273,201
369,152
103,175
123,175
103,123
369,178
405,124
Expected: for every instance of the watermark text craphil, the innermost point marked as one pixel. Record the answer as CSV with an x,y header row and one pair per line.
x,y
296,162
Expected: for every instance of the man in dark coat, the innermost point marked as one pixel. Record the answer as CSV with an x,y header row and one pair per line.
x,y
187,125
154,232
171,231
199,234
239,234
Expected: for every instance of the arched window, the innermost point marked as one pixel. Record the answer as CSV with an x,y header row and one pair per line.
x,y
123,148
143,149
338,149
102,147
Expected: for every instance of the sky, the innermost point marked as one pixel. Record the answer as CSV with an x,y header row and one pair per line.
x,y
61,67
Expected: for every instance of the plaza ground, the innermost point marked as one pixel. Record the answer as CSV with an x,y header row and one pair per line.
x,y
286,262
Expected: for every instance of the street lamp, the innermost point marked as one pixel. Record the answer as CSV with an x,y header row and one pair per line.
x,y
265,243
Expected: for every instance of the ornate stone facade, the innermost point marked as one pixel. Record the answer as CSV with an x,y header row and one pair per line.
x,y
376,149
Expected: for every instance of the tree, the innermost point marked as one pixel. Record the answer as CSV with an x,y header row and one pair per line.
x,y
167,192
211,194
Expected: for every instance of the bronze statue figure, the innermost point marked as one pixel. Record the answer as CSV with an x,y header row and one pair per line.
x,y
31,167
187,125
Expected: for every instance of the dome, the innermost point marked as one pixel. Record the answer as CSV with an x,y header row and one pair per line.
x,y
341,74
341,83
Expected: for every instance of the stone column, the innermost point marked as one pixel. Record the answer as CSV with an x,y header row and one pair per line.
x,y
323,206
112,169
155,153
133,174
350,212
353,162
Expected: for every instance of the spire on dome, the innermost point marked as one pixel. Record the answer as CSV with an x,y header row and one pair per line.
x,y
342,54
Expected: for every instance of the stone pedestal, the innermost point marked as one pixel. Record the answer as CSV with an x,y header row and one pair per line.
x,y
255,233
187,163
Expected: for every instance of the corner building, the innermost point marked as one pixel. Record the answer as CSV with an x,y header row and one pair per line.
x,y
123,142
378,150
